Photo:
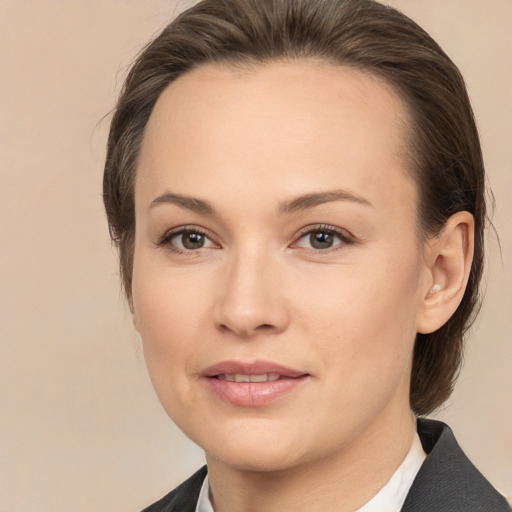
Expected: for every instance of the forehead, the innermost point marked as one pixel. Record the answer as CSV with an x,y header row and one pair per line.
x,y
303,124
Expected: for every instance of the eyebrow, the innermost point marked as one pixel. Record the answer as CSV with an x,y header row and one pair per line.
x,y
308,201
190,203
304,202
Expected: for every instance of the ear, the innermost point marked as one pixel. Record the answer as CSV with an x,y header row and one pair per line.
x,y
448,258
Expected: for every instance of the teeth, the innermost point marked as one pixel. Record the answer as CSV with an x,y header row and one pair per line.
x,y
239,377
258,378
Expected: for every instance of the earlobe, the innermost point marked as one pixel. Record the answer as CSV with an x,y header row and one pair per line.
x,y
449,257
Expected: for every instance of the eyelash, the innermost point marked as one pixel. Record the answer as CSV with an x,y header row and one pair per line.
x,y
342,235
164,240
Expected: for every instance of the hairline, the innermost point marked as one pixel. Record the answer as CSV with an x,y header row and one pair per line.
x,y
406,150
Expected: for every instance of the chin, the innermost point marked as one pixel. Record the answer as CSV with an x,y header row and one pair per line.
x,y
252,447
255,459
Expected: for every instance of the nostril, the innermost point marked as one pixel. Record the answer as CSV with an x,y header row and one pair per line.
x,y
247,332
224,328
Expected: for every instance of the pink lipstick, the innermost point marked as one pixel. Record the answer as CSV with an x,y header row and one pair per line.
x,y
252,384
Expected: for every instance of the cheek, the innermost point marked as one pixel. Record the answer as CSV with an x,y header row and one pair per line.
x,y
363,330
365,319
166,302
169,315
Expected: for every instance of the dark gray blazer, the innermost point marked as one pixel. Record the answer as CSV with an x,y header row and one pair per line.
x,y
446,482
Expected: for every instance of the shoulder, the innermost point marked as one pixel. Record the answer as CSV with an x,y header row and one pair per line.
x,y
447,481
183,498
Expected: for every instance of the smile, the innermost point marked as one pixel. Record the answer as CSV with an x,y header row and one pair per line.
x,y
254,384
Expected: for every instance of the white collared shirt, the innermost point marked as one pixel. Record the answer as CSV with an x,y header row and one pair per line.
x,y
203,503
392,496
389,499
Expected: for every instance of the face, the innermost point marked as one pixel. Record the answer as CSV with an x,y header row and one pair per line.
x,y
277,274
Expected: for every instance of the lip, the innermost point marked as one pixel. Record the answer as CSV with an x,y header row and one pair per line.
x,y
252,394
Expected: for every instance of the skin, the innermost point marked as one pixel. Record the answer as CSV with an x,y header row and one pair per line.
x,y
248,141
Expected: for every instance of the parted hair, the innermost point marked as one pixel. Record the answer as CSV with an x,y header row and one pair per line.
x,y
443,146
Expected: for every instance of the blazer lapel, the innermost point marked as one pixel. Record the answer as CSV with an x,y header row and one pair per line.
x,y
183,498
447,481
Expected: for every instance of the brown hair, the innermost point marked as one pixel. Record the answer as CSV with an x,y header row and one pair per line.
x,y
444,147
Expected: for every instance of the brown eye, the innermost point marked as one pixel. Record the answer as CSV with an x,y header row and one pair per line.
x,y
191,241
321,240
186,240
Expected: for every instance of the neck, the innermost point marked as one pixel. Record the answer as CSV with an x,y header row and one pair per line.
x,y
343,481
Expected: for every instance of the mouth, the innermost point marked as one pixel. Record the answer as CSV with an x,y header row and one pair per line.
x,y
252,384
260,371
239,377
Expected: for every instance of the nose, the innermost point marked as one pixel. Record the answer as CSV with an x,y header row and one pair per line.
x,y
251,299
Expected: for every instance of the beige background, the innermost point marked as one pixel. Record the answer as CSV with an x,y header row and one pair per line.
x,y
80,428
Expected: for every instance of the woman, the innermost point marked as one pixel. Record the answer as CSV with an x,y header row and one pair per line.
x,y
296,189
